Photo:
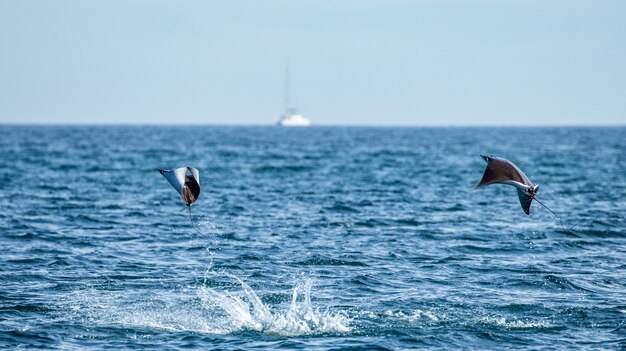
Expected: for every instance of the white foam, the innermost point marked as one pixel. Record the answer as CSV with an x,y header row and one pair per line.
x,y
413,316
207,310
515,323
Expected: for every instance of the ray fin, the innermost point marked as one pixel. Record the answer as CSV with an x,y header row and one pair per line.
x,y
525,200
176,178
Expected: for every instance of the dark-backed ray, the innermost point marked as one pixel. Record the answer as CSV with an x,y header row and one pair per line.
x,y
501,171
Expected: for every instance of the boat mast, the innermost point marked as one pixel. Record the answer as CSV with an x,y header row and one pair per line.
x,y
286,97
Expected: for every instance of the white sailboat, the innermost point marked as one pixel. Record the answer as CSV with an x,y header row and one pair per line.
x,y
291,118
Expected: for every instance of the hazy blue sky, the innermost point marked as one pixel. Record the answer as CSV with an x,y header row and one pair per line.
x,y
352,61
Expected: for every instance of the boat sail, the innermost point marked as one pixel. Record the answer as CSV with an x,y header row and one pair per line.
x,y
291,117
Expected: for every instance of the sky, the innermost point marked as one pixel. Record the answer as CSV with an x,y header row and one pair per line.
x,y
352,62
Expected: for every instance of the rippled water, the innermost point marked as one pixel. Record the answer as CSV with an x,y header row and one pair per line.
x,y
318,238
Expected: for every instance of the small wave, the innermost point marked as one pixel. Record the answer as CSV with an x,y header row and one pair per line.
x,y
341,208
409,222
320,260
250,257
597,233
562,283
281,168
370,223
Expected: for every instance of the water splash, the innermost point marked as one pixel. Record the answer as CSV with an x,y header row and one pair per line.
x,y
206,310
245,310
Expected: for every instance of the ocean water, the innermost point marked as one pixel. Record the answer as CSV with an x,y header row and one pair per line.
x,y
315,239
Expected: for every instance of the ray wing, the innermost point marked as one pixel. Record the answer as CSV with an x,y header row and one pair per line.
x,y
176,177
499,170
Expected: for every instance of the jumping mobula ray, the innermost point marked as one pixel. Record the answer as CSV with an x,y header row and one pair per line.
x,y
501,171
187,184
186,180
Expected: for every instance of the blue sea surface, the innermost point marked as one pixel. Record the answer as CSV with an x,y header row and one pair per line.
x,y
316,238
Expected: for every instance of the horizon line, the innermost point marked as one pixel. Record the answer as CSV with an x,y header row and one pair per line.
x,y
193,124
